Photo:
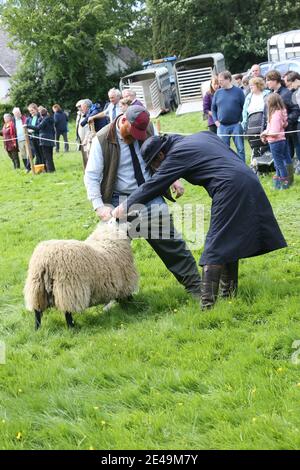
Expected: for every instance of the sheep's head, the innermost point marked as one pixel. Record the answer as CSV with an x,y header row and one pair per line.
x,y
111,230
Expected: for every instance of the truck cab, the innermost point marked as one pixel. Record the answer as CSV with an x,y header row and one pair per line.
x,y
167,62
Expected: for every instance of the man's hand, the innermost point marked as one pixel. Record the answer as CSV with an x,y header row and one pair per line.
x,y
90,119
177,189
118,212
217,123
104,212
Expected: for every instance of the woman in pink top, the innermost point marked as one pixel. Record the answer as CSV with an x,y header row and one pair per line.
x,y
274,135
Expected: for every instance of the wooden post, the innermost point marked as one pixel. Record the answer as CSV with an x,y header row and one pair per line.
x,y
158,126
92,127
28,149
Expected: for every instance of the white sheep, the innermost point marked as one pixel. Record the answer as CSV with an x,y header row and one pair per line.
x,y
73,275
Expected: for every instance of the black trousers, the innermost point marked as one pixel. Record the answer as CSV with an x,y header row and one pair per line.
x,y
160,233
48,158
14,156
65,137
37,151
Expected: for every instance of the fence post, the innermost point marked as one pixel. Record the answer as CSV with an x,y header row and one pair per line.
x,y
158,126
28,149
92,127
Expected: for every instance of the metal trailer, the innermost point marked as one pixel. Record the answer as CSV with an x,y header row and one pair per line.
x,y
190,73
284,46
168,62
152,87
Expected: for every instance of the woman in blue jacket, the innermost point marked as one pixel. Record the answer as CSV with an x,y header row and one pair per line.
x,y
45,127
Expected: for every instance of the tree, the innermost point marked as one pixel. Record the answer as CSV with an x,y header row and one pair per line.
x,y
236,28
62,45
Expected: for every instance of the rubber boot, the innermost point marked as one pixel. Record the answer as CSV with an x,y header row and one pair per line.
x,y
276,182
25,163
210,285
290,172
229,280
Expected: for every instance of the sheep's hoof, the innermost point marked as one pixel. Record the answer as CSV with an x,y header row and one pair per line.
x,y
38,319
69,320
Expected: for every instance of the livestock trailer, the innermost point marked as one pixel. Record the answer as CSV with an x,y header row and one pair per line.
x,y
284,46
152,87
190,74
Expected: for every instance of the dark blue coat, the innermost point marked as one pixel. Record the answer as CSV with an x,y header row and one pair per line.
x,y
46,131
60,122
242,221
291,107
99,122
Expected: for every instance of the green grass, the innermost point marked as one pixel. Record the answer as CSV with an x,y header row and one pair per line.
x,y
159,374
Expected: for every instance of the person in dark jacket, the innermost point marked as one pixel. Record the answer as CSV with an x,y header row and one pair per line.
x,y
33,120
90,111
61,126
242,221
46,132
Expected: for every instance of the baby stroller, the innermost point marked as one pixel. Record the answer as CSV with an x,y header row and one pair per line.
x,y
261,158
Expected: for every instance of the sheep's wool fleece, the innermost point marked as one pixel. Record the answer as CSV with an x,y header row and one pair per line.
x,y
73,275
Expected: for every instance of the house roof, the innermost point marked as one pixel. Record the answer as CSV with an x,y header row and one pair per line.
x,y
127,54
9,58
3,72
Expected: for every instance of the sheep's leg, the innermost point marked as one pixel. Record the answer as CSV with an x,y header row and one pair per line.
x,y
38,318
69,320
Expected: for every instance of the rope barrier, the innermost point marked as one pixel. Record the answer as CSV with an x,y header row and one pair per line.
x,y
167,132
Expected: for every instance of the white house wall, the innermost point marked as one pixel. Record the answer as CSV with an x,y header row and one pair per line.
x,y
4,88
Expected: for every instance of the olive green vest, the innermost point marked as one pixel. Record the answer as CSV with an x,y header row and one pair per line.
x,y
108,140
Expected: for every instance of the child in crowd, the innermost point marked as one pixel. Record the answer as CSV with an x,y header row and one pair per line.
x,y
274,135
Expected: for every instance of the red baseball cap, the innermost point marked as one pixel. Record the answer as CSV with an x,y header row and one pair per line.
x,y
139,118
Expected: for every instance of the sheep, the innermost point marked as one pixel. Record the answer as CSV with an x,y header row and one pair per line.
x,y
73,275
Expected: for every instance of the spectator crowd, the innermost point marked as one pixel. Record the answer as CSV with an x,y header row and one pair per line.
x,y
237,107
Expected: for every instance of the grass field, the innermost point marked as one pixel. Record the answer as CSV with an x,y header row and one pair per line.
x,y
160,374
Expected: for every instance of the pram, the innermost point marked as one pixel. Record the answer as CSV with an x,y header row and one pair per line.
x,y
261,158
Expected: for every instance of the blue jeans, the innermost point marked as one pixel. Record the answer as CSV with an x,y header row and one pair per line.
x,y
280,153
238,141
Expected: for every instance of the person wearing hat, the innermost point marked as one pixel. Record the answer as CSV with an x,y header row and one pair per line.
x,y
242,222
115,169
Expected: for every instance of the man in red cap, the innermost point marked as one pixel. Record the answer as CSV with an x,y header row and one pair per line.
x,y
115,169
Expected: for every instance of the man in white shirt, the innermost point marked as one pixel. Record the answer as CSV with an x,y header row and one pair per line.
x,y
19,122
115,169
113,109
